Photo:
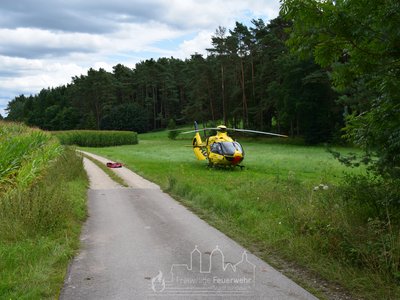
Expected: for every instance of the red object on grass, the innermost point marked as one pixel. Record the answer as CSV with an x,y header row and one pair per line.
x,y
114,165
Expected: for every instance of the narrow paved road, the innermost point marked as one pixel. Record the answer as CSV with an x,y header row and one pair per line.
x,y
139,243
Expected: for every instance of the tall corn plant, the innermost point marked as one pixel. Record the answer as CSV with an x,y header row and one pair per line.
x,y
96,138
24,153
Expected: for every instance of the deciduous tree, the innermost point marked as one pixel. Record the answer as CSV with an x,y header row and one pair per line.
x,y
359,42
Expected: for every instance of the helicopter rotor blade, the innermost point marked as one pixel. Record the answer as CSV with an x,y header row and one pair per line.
x,y
178,129
259,132
235,129
190,131
198,130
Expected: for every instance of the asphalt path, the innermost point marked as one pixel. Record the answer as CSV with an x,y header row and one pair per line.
x,y
139,243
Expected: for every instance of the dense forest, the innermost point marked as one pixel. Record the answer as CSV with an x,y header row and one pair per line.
x,y
249,79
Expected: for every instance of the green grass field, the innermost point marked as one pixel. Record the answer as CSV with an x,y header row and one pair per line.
x,y
270,207
265,159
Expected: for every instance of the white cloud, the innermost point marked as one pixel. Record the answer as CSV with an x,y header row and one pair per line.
x,y
198,44
140,37
36,43
33,74
3,105
46,43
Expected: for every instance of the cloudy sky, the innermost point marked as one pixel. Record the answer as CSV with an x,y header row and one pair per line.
x,y
43,43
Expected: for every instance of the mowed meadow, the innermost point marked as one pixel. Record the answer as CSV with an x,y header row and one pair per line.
x,y
292,205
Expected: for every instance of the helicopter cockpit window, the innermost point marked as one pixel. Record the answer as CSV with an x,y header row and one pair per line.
x,y
216,148
229,148
238,147
226,148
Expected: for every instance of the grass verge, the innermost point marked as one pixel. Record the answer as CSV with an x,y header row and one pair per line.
x,y
39,230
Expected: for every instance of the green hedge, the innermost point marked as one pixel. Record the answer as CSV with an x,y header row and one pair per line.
x,y
96,138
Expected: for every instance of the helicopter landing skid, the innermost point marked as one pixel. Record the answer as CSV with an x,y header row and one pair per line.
x,y
222,167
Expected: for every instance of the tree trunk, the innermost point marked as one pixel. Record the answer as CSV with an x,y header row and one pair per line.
x,y
253,79
211,100
154,108
223,94
244,98
291,128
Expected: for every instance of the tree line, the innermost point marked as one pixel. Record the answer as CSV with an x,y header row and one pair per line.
x,y
248,79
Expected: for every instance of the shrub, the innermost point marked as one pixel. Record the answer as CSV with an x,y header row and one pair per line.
x,y
172,133
380,196
96,138
357,222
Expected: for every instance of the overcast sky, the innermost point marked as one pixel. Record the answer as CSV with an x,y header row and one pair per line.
x,y
43,43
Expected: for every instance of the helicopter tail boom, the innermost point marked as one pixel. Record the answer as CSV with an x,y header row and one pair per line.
x,y
197,147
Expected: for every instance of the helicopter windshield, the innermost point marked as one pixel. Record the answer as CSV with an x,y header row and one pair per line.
x,y
226,148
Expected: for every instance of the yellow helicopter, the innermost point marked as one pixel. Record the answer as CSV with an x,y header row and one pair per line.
x,y
221,149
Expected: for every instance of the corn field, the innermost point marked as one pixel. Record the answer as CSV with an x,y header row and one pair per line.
x,y
24,154
93,138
